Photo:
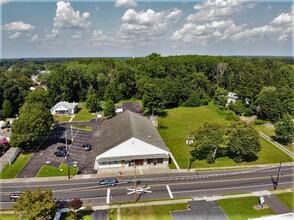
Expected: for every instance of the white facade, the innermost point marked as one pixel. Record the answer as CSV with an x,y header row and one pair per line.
x,y
232,97
144,153
64,108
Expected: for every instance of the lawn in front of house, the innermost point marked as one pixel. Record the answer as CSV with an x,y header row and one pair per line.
x,y
11,171
83,114
158,212
62,170
178,124
60,119
242,208
287,198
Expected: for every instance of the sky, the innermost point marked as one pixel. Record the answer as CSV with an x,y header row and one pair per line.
x,y
136,28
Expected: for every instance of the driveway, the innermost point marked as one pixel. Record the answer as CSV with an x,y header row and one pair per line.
x,y
85,159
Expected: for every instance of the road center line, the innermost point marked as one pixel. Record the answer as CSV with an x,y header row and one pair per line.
x,y
108,196
169,192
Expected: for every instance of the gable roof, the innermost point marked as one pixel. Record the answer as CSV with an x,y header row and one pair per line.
x,y
125,126
64,106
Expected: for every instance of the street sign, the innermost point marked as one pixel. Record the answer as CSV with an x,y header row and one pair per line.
x,y
70,164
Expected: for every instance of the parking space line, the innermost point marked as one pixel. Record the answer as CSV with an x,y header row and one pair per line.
x,y
169,192
108,196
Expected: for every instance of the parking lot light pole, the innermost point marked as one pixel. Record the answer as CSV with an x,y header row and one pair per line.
x,y
135,181
67,160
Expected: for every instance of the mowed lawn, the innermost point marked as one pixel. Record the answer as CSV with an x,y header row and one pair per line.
x,y
158,212
179,122
242,208
287,198
83,114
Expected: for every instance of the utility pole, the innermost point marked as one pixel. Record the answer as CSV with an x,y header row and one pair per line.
x,y
135,181
67,160
278,177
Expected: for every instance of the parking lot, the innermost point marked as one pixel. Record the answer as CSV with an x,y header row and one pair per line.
x,y
85,159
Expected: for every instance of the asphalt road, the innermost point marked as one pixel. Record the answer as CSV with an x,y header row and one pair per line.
x,y
162,186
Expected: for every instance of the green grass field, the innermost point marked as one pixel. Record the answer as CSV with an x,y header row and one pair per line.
x,y
287,198
112,214
8,217
242,208
179,122
84,128
269,130
11,171
62,118
160,212
83,114
47,171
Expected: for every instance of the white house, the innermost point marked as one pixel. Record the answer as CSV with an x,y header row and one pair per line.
x,y
232,97
129,139
64,108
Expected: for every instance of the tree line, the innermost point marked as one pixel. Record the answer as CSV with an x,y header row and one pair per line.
x,y
263,84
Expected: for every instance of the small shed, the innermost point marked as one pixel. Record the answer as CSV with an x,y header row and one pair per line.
x,y
2,124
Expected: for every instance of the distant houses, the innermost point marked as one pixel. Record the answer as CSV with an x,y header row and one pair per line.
x,y
232,98
64,108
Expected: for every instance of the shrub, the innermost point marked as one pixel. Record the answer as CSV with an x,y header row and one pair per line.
x,y
259,122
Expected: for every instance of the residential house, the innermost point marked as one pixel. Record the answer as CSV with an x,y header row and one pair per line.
x,y
64,108
232,98
129,139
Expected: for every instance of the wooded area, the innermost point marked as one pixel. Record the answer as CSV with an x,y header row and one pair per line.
x,y
160,82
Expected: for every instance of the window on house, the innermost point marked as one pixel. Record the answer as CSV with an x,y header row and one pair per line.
x,y
160,160
149,161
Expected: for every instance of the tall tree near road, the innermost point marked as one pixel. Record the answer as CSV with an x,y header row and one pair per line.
x,y
35,121
109,109
35,204
243,143
285,130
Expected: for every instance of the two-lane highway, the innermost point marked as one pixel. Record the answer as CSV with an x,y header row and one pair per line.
x,y
164,186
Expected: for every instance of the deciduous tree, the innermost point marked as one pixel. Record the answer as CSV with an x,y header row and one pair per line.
x,y
285,130
34,204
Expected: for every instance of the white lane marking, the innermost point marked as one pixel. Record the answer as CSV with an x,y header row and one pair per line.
x,y
237,187
169,192
108,196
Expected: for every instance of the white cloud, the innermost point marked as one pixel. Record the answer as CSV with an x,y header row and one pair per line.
x,y
15,35
18,26
215,9
125,3
280,28
145,25
35,38
66,17
202,33
4,1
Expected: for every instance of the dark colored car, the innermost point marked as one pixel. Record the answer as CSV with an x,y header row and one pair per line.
x,y
60,204
108,182
61,148
64,141
3,149
87,147
15,195
60,153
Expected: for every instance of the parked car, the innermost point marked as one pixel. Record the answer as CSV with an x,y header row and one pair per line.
x,y
60,153
61,203
62,140
14,195
87,147
108,182
3,149
61,148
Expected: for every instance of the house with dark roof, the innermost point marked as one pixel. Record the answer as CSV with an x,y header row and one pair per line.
x,y
64,108
200,210
129,139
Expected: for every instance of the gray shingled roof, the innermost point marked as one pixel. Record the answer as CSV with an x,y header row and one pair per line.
x,y
201,210
66,105
125,126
